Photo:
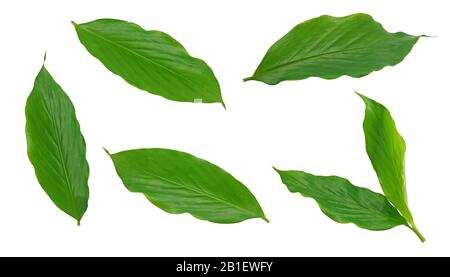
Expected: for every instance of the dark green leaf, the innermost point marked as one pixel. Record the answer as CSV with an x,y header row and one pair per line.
x,y
344,202
329,47
386,149
56,146
178,182
150,60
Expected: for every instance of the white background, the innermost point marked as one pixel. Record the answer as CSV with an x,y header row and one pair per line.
x,y
313,125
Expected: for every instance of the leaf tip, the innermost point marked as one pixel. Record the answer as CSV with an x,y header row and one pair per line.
x,y
276,169
363,97
106,150
357,93
427,36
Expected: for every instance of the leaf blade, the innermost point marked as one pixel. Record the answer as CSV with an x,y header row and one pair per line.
x,y
56,146
344,202
178,182
149,60
329,47
386,150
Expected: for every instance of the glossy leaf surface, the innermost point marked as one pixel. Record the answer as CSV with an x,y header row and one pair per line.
x,y
56,147
386,150
344,202
150,60
329,47
178,182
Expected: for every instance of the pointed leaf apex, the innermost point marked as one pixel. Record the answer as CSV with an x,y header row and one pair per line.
x,y
276,169
142,56
106,150
359,94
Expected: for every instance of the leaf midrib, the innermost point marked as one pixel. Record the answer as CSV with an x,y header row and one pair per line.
x,y
356,202
308,58
377,211
63,163
402,199
204,193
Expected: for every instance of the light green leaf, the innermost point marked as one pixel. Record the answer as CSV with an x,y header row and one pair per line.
x,y
56,147
329,47
344,202
386,150
150,60
178,182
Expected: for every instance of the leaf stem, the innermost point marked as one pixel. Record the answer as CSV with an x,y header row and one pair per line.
x,y
248,79
417,232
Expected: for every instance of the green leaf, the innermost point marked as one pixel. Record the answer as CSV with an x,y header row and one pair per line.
x,y
178,182
329,47
150,60
344,202
56,147
386,150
